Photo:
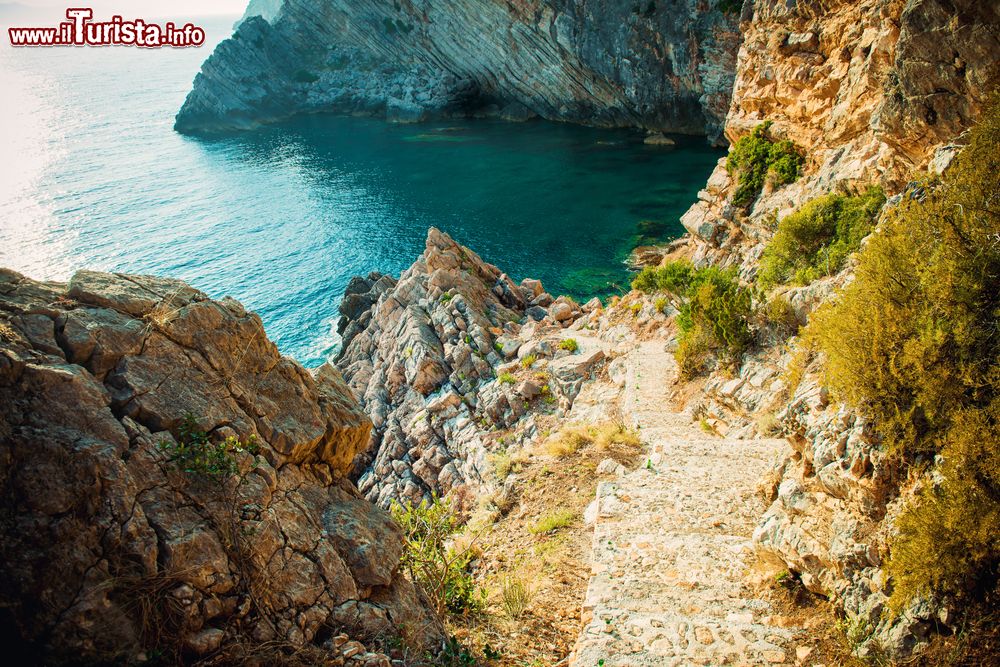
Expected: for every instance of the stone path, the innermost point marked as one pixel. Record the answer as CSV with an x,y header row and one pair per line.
x,y
672,543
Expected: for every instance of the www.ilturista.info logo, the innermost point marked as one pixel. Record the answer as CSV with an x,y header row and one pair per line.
x,y
81,30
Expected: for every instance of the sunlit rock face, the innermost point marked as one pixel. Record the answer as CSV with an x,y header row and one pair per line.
x,y
104,540
665,65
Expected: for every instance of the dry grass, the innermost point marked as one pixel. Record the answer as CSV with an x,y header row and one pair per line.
x,y
604,436
552,564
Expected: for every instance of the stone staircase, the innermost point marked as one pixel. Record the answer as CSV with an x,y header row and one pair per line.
x,y
671,543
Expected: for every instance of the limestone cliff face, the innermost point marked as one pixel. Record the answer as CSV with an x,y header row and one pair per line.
x,y
870,92
665,65
108,550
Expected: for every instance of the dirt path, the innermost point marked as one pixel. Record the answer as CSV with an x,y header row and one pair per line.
x,y
671,543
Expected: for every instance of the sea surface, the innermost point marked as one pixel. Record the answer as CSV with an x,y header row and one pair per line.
x,y
93,175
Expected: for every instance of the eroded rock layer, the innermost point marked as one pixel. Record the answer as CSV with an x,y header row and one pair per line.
x,y
665,65
108,549
432,357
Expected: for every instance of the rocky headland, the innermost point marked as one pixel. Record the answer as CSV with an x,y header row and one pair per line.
x,y
662,66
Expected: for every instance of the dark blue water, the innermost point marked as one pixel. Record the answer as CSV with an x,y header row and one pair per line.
x,y
283,217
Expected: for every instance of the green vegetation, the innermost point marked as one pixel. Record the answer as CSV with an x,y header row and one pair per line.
x,y
193,452
569,345
431,560
507,378
515,596
755,157
914,341
551,522
714,311
816,240
528,361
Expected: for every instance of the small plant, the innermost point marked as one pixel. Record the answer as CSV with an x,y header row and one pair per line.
x,y
778,313
755,157
552,522
506,378
570,345
515,596
194,452
661,304
431,559
528,361
503,465
498,347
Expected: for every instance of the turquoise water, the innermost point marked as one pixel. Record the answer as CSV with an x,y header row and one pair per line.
x,y
282,218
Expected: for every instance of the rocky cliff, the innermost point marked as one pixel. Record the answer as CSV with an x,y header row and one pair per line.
x,y
124,533
870,92
664,65
437,359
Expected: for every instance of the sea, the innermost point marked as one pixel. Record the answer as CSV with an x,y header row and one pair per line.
x,y
92,175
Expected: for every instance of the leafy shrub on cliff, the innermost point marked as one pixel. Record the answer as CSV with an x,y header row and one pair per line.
x,y
431,559
816,240
755,156
914,341
194,452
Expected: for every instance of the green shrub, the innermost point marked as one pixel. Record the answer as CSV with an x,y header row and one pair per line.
x,y
569,344
432,562
816,240
193,452
779,314
714,311
717,310
755,156
507,378
673,277
913,341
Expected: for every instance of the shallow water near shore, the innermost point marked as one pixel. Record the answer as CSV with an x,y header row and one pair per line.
x,y
283,217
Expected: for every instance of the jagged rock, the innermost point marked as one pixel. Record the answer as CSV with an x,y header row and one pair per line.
x,y
99,519
594,62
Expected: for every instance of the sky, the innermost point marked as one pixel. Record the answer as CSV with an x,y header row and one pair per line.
x,y
139,8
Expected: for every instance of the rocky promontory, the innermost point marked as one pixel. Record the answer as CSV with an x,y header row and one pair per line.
x,y
443,358
174,486
663,66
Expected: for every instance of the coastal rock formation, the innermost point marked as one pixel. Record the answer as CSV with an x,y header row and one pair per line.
x,y
661,65
432,357
113,544
870,92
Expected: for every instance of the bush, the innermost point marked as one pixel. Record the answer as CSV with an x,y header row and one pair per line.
x,y
913,341
570,345
432,562
506,378
779,314
193,452
714,311
755,156
816,240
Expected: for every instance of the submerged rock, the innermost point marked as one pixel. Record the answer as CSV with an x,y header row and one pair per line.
x,y
104,540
